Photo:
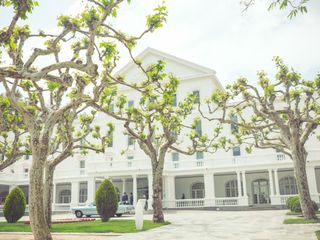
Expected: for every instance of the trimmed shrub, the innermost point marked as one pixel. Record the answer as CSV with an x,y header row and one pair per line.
x,y
315,206
295,205
106,200
289,201
14,205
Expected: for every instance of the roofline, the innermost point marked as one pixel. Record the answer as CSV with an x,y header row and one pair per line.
x,y
173,58
167,55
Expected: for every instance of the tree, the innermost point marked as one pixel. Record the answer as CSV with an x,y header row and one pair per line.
x,y
15,205
75,133
63,85
106,200
295,7
284,114
155,122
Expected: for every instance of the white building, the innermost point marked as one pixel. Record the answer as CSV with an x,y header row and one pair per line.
x,y
223,179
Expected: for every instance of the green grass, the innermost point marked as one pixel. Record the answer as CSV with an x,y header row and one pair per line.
x,y
300,221
297,213
318,234
115,226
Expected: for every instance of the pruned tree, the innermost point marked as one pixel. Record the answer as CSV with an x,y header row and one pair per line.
x,y
284,113
64,85
76,133
156,122
295,7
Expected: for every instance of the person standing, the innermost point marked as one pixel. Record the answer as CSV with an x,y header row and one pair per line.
x,y
131,199
124,198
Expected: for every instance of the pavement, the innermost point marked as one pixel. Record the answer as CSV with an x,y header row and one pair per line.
x,y
205,225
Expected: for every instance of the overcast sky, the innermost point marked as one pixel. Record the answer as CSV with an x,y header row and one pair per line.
x,y
214,33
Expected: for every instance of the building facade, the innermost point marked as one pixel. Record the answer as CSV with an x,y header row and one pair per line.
x,y
222,179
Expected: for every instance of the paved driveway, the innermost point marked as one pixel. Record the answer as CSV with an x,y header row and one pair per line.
x,y
235,225
213,225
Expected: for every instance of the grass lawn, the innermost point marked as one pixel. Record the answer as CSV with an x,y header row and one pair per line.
x,y
297,213
318,234
115,226
300,221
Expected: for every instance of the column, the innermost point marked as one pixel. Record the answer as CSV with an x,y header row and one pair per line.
x,y
276,199
311,177
91,190
74,193
209,189
135,191
276,179
171,192
271,182
150,191
123,185
244,183
239,184
54,194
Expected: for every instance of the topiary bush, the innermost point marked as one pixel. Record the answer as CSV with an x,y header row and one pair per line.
x,y
295,206
289,201
106,200
14,205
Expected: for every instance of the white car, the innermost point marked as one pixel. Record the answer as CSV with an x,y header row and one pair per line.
x,y
91,209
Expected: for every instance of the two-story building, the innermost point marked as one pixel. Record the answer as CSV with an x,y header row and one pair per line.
x,y
221,179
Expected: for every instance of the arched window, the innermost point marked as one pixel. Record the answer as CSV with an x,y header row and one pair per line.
x,y
231,188
288,186
197,190
65,196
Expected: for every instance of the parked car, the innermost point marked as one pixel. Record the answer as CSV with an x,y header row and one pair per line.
x,y
91,209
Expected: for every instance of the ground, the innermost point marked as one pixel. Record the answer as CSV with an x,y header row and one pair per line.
x,y
213,225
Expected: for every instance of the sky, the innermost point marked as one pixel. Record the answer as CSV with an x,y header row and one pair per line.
x,y
212,33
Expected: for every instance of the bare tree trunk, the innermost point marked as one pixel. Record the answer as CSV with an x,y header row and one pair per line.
x,y
48,192
158,216
38,222
299,160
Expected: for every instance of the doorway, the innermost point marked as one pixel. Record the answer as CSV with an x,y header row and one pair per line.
x,y
260,189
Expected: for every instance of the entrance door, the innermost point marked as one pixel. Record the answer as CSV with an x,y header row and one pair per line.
x,y
260,191
197,190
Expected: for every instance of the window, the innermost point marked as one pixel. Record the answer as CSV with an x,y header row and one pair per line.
x,y
83,192
110,144
236,151
111,108
234,126
175,100
26,172
231,188
130,103
199,155
196,94
27,156
199,128
65,196
130,141
82,164
130,158
288,186
175,156
174,134
2,157
197,190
